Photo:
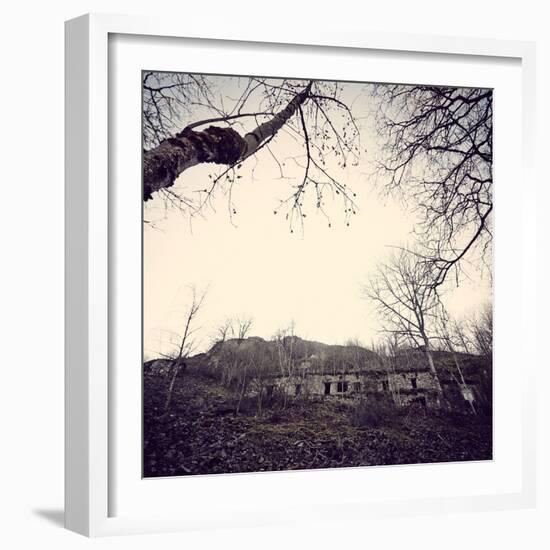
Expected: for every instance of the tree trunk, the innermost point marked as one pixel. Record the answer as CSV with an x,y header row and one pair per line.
x,y
163,164
241,395
168,402
463,385
432,369
260,399
433,372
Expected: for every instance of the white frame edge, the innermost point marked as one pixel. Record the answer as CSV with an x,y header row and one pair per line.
x,y
86,283
87,247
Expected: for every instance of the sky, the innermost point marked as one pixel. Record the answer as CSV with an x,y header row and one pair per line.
x,y
253,265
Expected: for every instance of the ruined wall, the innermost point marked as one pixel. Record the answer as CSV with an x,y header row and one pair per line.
x,y
410,387
403,387
357,384
157,367
344,373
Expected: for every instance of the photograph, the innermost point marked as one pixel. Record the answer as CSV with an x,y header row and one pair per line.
x,y
275,302
317,273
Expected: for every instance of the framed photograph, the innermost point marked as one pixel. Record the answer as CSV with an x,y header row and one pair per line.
x,y
298,275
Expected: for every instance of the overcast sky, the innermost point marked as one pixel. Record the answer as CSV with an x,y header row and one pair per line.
x,y
254,265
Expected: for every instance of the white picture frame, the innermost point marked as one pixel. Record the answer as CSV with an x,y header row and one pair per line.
x,y
90,398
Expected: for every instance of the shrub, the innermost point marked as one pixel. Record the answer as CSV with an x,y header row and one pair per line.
x,y
375,411
246,405
275,417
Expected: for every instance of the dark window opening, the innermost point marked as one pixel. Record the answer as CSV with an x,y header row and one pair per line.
x,y
327,388
413,382
385,385
298,389
342,387
357,386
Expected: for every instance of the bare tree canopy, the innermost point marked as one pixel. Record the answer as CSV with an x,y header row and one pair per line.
x,y
227,131
438,154
186,344
405,298
166,98
407,301
481,330
238,328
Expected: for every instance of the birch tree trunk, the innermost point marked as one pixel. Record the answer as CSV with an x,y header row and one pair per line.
x,y
433,371
178,367
218,145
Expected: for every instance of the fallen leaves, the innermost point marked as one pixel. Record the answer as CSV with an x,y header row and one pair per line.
x,y
202,435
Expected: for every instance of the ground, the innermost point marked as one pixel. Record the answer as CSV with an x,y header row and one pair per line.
x,y
202,434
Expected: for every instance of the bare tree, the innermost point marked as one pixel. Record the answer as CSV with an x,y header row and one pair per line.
x,y
242,326
229,339
438,155
166,98
186,343
449,332
223,332
263,371
233,327
246,364
218,129
473,334
407,302
285,340
481,327
354,354
388,351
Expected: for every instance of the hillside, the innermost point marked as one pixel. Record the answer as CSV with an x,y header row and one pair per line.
x,y
253,405
202,434
311,355
319,357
